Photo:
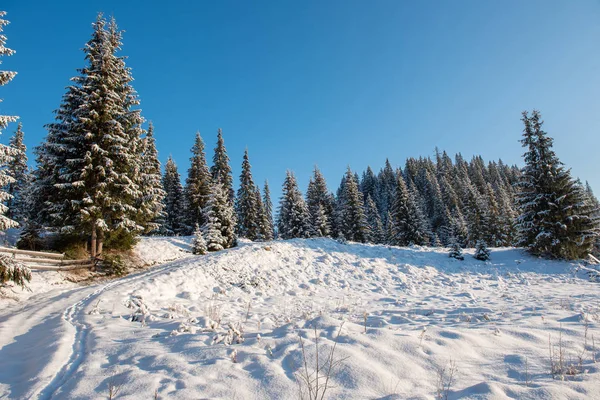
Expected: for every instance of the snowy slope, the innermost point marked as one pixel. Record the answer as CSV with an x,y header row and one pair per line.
x,y
174,329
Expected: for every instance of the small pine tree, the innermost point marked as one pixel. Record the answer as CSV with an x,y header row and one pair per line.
x,y
482,253
198,243
211,229
456,251
268,211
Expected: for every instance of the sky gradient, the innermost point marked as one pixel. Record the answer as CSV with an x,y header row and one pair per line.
x,y
332,83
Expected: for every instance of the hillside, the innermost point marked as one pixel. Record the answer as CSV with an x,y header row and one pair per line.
x,y
227,325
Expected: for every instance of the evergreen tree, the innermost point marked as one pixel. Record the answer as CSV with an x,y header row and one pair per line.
x,y
10,269
197,184
482,253
174,222
389,231
93,148
317,201
556,219
220,215
152,200
19,171
376,232
456,251
268,211
247,207
265,228
198,243
386,186
354,225
221,171
368,185
409,225
294,219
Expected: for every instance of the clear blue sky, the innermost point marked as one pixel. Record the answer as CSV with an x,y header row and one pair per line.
x,y
332,83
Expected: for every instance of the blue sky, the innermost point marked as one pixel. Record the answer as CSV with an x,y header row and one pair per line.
x,y
332,83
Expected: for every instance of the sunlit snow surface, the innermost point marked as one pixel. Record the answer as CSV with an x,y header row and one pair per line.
x,y
227,325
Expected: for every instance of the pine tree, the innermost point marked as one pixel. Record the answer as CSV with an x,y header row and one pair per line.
x,y
247,207
93,149
482,253
409,224
10,270
19,171
265,229
556,219
317,202
219,216
174,221
197,184
456,251
198,243
294,219
152,200
376,232
221,171
354,225
386,187
268,210
389,231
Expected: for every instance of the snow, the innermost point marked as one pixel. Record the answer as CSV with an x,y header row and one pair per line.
x,y
227,325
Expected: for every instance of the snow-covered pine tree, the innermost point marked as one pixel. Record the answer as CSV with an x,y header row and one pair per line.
x,y
376,232
93,148
198,243
220,170
152,200
211,230
10,269
476,214
408,221
268,210
247,208
386,186
19,171
197,184
556,219
265,230
294,219
174,220
220,215
482,253
456,251
317,202
389,235
354,225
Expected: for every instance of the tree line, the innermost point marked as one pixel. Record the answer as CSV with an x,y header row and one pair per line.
x,y
98,181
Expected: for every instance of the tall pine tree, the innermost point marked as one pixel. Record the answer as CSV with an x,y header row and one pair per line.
x,y
248,208
174,220
220,170
19,171
294,219
197,184
152,200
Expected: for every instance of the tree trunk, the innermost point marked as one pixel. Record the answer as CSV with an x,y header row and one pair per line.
x,y
100,243
93,244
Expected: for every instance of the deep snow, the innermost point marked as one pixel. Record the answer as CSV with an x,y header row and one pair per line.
x,y
227,325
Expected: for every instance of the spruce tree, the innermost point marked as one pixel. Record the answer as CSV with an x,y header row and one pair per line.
x,y
317,202
456,251
556,219
247,208
197,184
152,200
19,171
408,221
265,229
482,253
10,269
174,220
220,170
354,225
376,231
268,210
294,219
93,149
220,215
198,243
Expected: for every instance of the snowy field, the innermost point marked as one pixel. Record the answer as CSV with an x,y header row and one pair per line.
x,y
408,323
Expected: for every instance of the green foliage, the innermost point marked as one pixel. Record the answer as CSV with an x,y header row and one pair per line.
x,y
113,264
13,271
120,240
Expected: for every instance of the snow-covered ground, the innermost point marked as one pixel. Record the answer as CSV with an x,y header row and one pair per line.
x,y
227,325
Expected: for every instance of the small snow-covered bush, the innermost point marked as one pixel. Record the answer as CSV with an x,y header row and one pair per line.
x,y
14,271
482,253
456,251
